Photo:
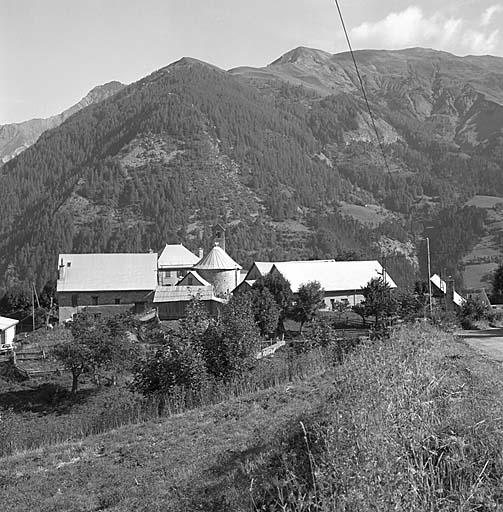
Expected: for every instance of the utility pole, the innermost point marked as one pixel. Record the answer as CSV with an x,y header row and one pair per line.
x,y
429,274
32,309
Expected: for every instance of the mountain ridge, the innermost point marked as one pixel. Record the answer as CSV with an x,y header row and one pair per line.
x,y
284,155
16,137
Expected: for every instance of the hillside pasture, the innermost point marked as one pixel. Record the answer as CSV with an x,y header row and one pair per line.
x,y
369,214
412,423
487,252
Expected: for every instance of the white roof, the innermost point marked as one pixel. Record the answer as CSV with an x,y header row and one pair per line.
x,y
332,275
5,322
441,285
108,272
264,267
217,259
177,256
184,293
194,274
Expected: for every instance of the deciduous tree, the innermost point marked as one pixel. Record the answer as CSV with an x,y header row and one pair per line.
x,y
309,301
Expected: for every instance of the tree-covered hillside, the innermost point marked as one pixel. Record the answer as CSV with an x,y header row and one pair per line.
x,y
273,158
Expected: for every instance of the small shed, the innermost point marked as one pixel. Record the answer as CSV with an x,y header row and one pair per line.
x,y
7,330
172,301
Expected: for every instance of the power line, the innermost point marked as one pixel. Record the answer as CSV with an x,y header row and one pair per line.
x,y
362,87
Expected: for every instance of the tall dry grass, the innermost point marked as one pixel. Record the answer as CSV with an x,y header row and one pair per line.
x,y
415,423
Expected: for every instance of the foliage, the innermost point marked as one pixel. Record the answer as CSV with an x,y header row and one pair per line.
x,y
412,305
96,346
201,350
497,285
378,302
179,362
229,345
280,289
309,300
265,311
176,364
473,310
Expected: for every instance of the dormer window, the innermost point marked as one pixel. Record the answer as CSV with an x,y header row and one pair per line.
x,y
69,264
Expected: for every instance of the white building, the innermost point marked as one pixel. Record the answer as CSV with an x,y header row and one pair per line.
x,y
7,331
174,263
105,284
342,281
219,269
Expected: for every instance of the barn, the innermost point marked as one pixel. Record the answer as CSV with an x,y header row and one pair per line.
x,y
172,301
105,284
342,281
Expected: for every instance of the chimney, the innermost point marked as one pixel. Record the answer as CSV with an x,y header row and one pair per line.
x,y
449,294
201,253
61,270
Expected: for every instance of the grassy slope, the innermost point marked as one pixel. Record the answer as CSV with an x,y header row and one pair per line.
x,y
180,461
412,424
485,255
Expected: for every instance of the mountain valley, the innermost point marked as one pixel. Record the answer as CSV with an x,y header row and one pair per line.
x,y
284,155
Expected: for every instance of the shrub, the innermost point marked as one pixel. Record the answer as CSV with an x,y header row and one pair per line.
x,y
229,345
472,311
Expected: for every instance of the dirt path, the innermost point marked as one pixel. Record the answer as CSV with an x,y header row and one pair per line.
x,y
487,341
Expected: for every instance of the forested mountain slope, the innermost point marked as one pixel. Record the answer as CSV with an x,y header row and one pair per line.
x,y
16,137
283,155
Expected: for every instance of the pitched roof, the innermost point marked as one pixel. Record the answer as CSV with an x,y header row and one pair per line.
x,y
332,275
217,259
195,275
264,267
108,272
6,322
184,293
177,255
442,286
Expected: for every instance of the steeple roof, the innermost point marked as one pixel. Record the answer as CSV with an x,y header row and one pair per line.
x,y
217,259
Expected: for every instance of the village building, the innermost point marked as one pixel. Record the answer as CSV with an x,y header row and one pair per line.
x,y
342,281
444,293
172,301
220,270
192,278
257,270
7,331
174,263
105,284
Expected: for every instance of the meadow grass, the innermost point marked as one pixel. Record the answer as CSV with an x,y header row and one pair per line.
x,y
49,414
416,423
410,423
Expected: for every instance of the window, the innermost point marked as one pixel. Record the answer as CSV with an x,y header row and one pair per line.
x,y
94,298
75,300
117,301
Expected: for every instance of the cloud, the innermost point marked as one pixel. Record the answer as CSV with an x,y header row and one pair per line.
x,y
411,27
488,14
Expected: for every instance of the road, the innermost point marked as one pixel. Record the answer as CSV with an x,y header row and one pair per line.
x,y
487,341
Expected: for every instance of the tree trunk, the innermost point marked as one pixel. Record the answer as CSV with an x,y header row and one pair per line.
x,y
75,381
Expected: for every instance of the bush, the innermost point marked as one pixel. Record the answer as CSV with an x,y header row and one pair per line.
x,y
230,344
473,310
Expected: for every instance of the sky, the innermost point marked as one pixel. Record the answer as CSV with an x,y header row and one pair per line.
x,y
52,52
